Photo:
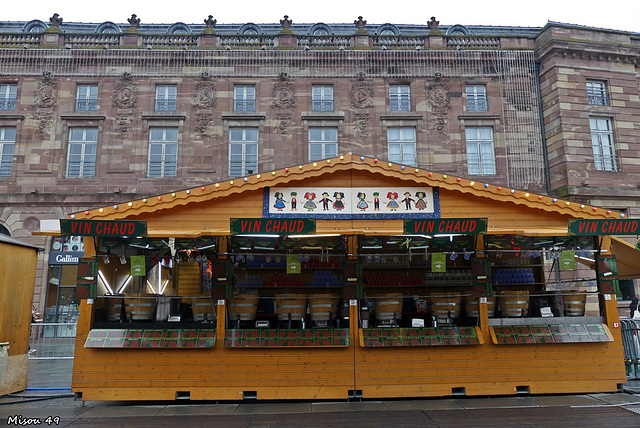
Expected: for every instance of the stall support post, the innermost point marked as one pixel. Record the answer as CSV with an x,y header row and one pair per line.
x,y
354,331
85,320
221,320
484,318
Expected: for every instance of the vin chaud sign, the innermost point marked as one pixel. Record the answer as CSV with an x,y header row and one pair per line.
x,y
581,227
103,228
273,226
433,226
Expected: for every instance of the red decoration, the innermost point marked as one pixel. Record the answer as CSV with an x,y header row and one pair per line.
x,y
430,174
458,179
286,170
375,160
86,212
499,188
202,188
159,198
539,197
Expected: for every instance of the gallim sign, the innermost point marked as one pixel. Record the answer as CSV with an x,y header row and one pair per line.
x,y
65,257
107,228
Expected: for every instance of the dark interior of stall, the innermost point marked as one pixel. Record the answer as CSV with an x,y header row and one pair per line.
x,y
302,282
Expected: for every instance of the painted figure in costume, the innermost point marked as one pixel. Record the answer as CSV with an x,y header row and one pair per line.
x,y
376,201
393,201
338,205
310,204
362,204
407,201
421,204
325,201
294,201
279,204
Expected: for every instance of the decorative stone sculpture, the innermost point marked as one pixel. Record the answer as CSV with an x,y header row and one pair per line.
x,y
55,20
286,24
433,24
360,23
134,21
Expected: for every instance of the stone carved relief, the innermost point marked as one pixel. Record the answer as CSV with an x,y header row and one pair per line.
x,y
204,103
31,224
126,95
361,98
283,99
125,99
45,102
438,97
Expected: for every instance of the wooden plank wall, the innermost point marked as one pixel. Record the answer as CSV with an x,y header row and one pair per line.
x,y
17,279
329,373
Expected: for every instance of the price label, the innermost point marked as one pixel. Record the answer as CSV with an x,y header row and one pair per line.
x,y
220,302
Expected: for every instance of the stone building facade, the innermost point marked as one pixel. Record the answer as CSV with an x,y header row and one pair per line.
x,y
94,115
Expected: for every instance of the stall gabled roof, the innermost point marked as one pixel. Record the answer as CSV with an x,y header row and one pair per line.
x,y
347,162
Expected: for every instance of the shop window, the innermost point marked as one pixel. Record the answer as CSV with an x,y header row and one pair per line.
x,y
597,93
604,154
166,96
8,95
243,151
322,98
7,148
323,143
476,97
399,98
81,156
87,98
402,145
244,98
163,152
60,300
480,151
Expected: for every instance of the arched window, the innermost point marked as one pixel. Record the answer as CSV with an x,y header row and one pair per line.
x,y
35,26
458,30
320,29
250,29
388,30
179,28
108,27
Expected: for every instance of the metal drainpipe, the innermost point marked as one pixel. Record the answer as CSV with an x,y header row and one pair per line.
x,y
545,155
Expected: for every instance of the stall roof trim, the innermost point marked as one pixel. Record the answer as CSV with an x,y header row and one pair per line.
x,y
284,176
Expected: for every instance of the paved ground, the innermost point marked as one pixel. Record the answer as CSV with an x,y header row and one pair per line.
x,y
584,411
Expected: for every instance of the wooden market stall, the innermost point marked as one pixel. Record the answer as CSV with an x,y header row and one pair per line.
x,y
17,278
345,278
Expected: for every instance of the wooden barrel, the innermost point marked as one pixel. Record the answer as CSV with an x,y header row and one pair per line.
x,y
203,308
291,304
140,307
472,306
446,305
243,305
388,306
514,303
323,307
574,303
113,308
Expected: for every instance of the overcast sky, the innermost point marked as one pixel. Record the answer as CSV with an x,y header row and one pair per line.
x,y
613,14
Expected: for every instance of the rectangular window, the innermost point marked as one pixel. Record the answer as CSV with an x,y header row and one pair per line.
x,y
476,98
8,95
399,98
243,151
402,145
87,98
244,98
323,143
7,147
166,97
322,98
163,152
480,153
604,154
597,93
81,158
